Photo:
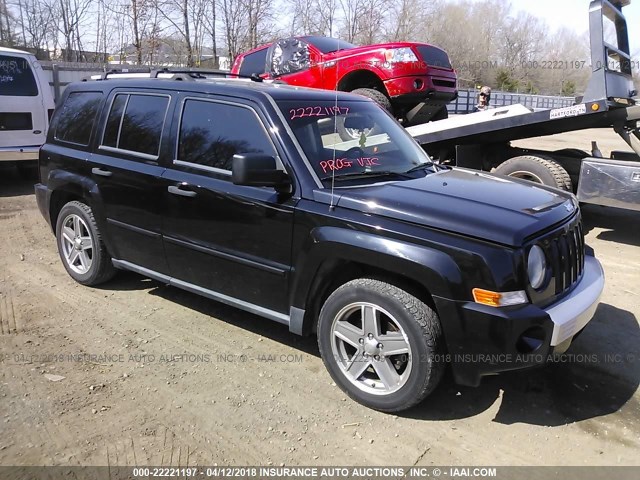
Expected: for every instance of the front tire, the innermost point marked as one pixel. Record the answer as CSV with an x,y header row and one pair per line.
x,y
347,134
80,245
381,345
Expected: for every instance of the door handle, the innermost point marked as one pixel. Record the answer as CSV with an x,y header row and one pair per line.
x,y
181,192
102,173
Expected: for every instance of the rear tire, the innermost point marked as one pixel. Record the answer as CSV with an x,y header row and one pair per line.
x,y
537,169
381,345
80,245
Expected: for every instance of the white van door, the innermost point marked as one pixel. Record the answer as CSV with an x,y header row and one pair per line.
x,y
24,117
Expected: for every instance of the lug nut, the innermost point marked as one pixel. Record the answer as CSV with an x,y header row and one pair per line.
x,y
361,340
377,357
380,345
370,335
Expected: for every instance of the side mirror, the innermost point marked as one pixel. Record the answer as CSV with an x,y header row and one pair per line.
x,y
258,170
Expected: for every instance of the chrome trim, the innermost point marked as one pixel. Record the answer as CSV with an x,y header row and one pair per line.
x,y
573,312
174,282
145,156
205,168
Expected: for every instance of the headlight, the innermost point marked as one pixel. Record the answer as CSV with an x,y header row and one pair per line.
x,y
397,55
536,266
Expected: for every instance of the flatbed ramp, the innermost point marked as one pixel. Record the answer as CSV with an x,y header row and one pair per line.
x,y
516,122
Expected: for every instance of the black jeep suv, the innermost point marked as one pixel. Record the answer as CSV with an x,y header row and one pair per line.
x,y
243,192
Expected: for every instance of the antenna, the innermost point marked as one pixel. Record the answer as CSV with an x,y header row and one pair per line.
x,y
335,132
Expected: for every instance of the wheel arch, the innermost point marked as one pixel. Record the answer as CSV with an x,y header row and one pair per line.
x,y
361,78
421,271
66,187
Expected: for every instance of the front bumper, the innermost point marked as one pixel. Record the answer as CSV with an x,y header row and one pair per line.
x,y
13,154
410,90
484,340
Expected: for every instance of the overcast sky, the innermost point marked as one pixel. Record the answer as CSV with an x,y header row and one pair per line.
x,y
574,14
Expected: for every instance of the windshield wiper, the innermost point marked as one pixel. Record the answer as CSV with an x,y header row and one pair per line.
x,y
422,166
372,173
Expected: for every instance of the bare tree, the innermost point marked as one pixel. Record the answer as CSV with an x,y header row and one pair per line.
x,y
352,12
211,28
372,18
37,22
234,25
180,11
316,17
406,19
7,22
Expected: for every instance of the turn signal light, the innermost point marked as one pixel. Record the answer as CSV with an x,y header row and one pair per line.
x,y
496,299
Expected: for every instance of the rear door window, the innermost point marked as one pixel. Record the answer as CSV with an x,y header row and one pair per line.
x,y
16,77
135,123
77,116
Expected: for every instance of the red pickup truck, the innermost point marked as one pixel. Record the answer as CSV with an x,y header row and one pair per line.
x,y
414,81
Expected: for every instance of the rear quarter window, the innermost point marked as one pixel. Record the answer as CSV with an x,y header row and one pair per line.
x,y
77,116
16,77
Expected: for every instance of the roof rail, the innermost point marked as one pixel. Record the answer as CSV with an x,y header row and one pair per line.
x,y
178,74
200,73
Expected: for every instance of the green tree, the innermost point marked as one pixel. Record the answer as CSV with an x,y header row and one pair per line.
x,y
506,82
568,88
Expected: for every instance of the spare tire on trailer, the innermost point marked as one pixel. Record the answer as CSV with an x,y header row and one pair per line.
x,y
538,169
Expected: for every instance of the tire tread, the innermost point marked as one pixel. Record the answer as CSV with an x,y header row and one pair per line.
x,y
560,175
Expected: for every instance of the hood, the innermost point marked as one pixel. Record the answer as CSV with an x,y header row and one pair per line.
x,y
376,46
498,209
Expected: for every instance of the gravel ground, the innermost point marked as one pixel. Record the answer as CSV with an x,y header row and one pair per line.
x,y
137,373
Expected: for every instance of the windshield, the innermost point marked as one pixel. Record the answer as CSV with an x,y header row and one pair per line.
x,y
354,140
328,44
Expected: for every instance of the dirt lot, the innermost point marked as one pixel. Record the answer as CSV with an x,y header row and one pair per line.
x,y
178,379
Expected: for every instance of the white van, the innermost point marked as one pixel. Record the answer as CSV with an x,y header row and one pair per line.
x,y
26,104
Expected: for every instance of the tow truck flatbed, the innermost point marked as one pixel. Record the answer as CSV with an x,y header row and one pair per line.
x,y
482,140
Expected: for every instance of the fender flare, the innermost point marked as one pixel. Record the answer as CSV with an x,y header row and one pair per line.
x,y
85,188
433,269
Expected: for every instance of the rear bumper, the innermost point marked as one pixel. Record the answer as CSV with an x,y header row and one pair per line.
x,y
13,154
483,340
